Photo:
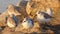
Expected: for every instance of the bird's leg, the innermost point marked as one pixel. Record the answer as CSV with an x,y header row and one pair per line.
x,y
44,26
12,29
28,30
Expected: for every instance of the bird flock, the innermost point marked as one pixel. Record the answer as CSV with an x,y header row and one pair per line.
x,y
28,23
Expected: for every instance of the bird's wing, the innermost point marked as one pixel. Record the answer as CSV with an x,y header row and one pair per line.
x,y
49,11
10,20
47,16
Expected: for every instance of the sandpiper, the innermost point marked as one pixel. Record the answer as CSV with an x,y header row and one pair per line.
x,y
44,16
27,23
12,10
12,21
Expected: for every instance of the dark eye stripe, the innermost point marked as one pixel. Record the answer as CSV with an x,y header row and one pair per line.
x,y
33,5
24,21
38,12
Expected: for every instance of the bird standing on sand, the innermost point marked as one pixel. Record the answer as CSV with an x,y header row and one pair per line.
x,y
27,23
13,10
44,16
12,21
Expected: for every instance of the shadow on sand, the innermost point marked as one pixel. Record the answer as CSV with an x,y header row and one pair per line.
x,y
55,28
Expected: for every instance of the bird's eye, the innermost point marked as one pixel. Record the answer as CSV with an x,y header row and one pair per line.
x,y
39,13
24,21
33,5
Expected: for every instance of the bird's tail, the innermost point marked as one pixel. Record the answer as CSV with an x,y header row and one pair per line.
x,y
49,11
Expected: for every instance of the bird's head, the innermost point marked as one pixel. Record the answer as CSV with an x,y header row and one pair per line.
x,y
24,20
40,13
27,20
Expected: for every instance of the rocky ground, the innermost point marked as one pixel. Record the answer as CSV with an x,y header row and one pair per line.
x,y
32,6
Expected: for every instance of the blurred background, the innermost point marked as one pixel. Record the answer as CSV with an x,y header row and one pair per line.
x,y
5,3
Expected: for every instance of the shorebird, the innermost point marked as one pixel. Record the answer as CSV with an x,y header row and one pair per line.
x,y
44,16
13,10
27,23
12,21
